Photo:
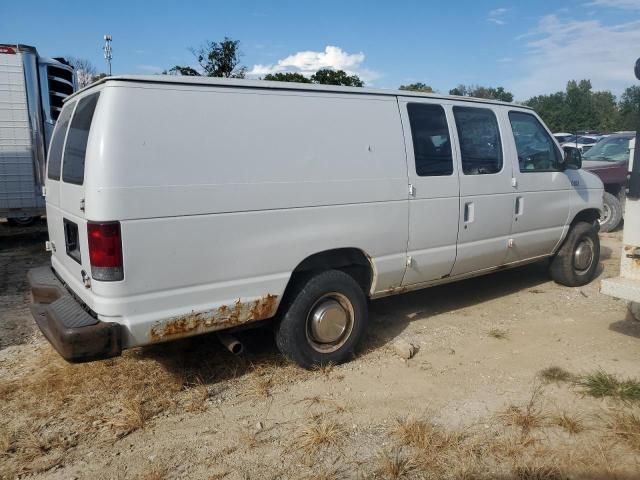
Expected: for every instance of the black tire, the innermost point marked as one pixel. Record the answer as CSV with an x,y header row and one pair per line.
x,y
568,267
21,221
612,215
294,335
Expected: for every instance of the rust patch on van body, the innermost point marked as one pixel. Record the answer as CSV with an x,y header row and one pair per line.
x,y
225,316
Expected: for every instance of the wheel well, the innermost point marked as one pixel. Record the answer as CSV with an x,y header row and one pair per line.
x,y
589,215
613,188
352,261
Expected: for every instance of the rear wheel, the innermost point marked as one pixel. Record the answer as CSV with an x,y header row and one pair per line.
x,y
576,262
324,320
611,212
21,221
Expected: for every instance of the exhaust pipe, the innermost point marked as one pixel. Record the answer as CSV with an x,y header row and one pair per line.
x,y
231,343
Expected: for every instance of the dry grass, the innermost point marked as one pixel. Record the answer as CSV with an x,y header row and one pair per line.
x,y
555,375
625,425
498,333
320,434
601,384
569,423
394,465
528,417
157,473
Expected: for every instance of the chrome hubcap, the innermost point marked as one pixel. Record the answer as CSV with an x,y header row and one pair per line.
x,y
330,322
606,213
583,255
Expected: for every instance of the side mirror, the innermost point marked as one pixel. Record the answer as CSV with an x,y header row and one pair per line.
x,y
572,158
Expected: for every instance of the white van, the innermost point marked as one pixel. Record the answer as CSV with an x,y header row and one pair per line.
x,y
182,205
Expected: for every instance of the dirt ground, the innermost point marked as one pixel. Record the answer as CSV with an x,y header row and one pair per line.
x,y
471,403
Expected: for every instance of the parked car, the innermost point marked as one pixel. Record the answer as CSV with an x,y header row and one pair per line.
x,y
563,137
179,206
581,142
611,160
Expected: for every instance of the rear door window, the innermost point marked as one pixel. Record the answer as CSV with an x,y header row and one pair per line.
x,y
431,143
480,147
76,145
57,142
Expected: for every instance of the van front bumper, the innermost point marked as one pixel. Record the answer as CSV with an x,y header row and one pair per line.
x,y
76,334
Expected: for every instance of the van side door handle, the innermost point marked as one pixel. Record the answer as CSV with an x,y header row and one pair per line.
x,y
468,212
519,206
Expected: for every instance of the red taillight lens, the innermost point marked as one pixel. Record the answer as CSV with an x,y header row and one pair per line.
x,y
105,251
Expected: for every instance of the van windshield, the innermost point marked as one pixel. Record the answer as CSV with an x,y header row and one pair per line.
x,y
612,149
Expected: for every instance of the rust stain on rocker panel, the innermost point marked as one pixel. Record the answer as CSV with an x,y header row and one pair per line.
x,y
225,316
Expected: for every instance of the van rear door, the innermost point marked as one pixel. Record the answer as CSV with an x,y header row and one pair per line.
x,y
65,198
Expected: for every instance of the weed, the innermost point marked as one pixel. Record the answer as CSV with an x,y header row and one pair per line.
x,y
626,426
321,433
528,417
498,334
571,425
555,375
394,465
601,384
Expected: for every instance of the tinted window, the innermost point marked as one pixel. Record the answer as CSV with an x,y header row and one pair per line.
x,y
76,146
537,152
480,148
57,142
431,143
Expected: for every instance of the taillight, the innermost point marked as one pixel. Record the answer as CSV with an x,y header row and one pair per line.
x,y
105,251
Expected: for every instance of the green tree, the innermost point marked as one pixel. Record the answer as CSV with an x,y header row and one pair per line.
x,y
327,76
607,116
629,108
478,91
216,59
551,109
180,70
417,87
287,77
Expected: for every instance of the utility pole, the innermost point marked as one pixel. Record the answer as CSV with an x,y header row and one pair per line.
x,y
107,51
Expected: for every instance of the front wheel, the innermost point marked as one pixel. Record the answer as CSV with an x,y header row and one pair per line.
x,y
576,262
323,321
611,213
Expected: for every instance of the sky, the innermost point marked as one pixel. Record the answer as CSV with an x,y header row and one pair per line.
x,y
529,47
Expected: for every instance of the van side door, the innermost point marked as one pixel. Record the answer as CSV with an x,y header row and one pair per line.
x,y
486,193
544,192
433,190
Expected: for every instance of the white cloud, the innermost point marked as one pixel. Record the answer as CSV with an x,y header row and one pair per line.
x,y
505,60
564,50
497,16
626,4
309,62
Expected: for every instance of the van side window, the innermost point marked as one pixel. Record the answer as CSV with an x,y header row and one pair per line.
x,y
431,143
480,147
537,152
76,146
57,142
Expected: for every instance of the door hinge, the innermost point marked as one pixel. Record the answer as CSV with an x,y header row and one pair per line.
x,y
49,246
409,260
412,190
44,191
511,243
514,182
82,205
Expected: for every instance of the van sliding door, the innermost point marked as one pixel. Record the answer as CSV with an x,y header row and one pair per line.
x,y
434,192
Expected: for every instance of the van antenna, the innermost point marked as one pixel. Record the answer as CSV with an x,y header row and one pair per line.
x,y
107,51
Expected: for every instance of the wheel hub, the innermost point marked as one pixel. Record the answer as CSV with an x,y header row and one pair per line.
x,y
583,255
328,321
606,213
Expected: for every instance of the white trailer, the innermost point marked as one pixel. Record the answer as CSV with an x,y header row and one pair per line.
x,y
32,89
627,285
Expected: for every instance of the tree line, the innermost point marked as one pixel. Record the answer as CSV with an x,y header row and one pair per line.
x,y
577,108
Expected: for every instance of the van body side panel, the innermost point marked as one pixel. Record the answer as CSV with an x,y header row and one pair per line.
x,y
222,192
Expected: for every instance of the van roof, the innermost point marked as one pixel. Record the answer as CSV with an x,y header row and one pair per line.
x,y
265,84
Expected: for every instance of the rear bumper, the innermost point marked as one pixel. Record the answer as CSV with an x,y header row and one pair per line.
x,y
73,332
